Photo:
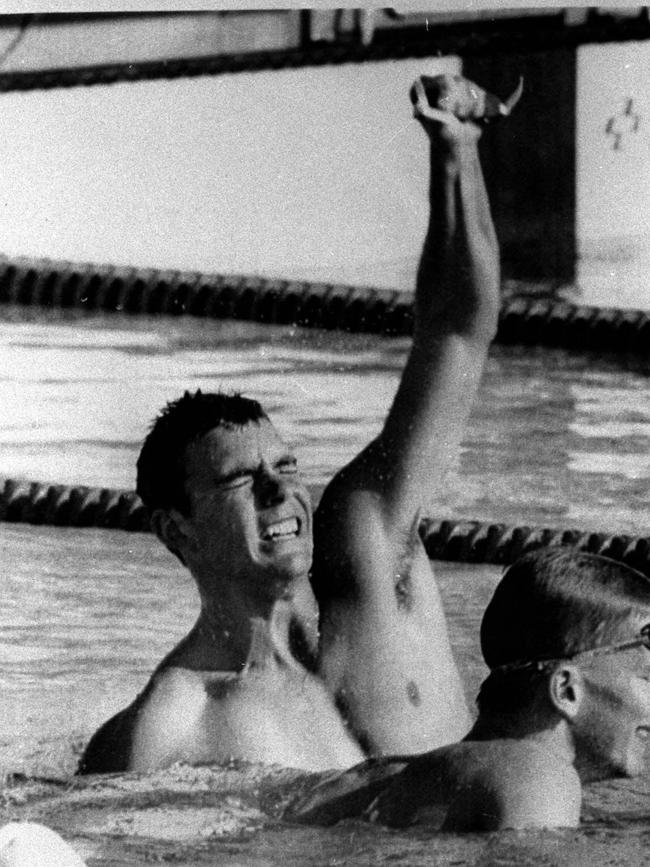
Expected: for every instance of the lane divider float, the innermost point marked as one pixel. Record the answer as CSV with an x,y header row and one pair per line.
x,y
40,503
523,320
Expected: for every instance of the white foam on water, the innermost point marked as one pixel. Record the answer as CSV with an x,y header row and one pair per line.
x,y
29,844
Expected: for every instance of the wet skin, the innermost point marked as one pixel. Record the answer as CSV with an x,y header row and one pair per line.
x,y
612,729
468,786
383,647
250,515
530,778
233,687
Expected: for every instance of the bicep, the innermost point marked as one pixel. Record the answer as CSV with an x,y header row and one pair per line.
x,y
353,578
350,540
398,474
420,440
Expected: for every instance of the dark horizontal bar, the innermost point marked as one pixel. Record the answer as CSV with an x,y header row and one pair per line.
x,y
497,36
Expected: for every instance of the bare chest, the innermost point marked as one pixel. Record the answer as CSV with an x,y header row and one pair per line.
x,y
276,714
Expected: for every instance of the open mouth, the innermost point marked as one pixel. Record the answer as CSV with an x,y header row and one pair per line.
x,y
289,528
643,732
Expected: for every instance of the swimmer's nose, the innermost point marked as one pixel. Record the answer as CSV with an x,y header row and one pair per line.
x,y
272,488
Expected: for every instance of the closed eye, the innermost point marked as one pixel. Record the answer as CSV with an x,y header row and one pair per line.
x,y
235,480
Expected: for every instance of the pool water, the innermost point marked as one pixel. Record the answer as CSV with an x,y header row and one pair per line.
x,y
555,438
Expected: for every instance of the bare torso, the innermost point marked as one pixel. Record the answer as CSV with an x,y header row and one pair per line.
x,y
277,713
385,651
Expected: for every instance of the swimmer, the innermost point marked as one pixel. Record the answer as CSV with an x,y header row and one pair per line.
x,y
319,675
567,701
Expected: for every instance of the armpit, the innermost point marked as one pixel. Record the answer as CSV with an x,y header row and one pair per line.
x,y
410,547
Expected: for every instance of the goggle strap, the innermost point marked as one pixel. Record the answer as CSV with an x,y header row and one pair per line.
x,y
642,640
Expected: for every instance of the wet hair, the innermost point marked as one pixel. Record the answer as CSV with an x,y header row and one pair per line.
x,y
161,464
551,604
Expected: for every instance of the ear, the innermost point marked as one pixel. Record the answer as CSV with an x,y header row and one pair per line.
x,y
173,531
566,690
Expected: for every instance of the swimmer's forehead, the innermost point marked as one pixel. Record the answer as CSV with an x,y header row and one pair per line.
x,y
227,449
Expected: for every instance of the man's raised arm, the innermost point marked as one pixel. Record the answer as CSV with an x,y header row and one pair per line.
x,y
456,311
384,646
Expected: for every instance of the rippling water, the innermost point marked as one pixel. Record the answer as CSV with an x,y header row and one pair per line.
x,y
554,438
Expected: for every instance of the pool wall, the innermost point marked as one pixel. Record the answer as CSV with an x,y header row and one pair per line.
x,y
315,170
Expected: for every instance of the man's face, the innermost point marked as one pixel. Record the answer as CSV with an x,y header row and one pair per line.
x,y
250,515
612,729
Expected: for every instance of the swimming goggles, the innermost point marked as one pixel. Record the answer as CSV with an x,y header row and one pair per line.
x,y
641,640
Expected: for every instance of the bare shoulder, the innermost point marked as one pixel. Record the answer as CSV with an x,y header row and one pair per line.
x,y
171,723
351,493
110,748
353,541
514,784
175,689
520,762
157,727
171,680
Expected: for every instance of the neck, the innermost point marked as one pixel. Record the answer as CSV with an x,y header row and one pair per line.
x,y
554,736
237,638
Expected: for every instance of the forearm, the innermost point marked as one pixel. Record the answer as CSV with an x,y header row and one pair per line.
x,y
456,315
457,287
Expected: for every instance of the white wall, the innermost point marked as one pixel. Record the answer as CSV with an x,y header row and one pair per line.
x,y
613,184
315,173
43,43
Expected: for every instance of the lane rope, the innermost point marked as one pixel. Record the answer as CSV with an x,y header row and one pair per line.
x,y
40,503
48,283
523,320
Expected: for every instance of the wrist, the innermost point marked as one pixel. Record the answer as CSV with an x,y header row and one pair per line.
x,y
456,142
